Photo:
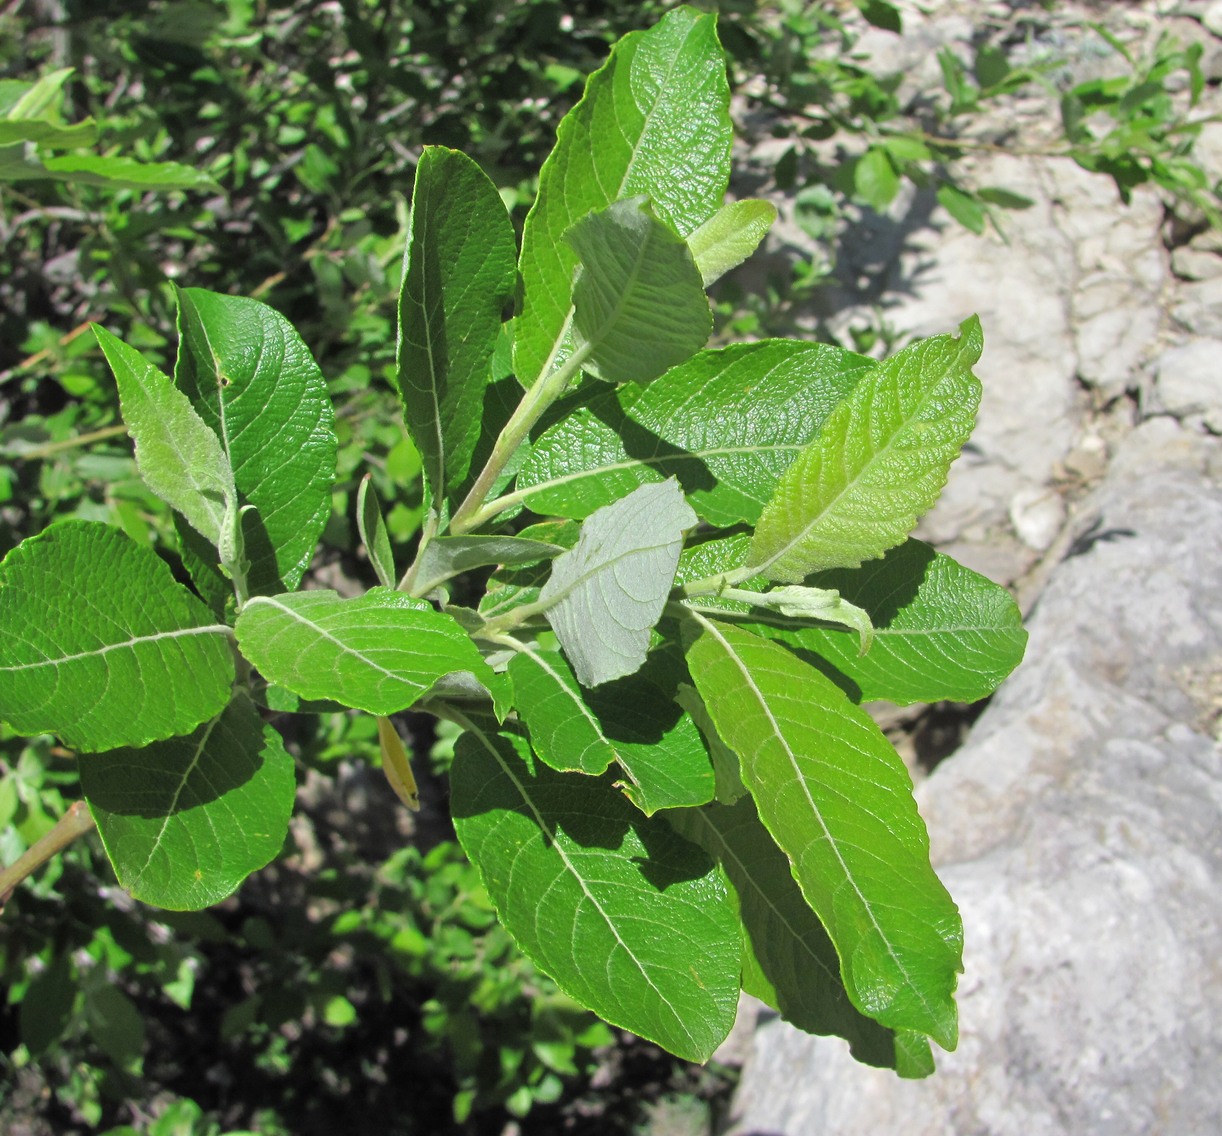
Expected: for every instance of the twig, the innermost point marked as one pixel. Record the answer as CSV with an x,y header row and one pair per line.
x,y
77,821
45,451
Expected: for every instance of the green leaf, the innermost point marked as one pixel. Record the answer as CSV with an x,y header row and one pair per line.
x,y
882,14
731,235
460,272
20,99
115,1024
837,800
727,424
639,306
654,120
46,1009
100,645
878,463
564,732
377,652
727,776
633,721
1006,198
374,535
185,821
941,631
449,556
178,456
254,382
963,207
657,744
605,595
126,173
45,133
630,920
788,960
874,178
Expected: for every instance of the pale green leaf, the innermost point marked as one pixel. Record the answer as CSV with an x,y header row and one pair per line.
x,y
374,534
653,121
628,918
788,960
639,306
254,382
185,821
100,645
459,274
178,455
606,594
875,179
878,463
797,601
731,235
728,784
377,652
727,423
21,99
449,556
941,631
837,800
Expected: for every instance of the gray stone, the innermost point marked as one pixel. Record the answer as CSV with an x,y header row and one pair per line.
x,y
1079,831
1037,513
1199,307
1212,18
1189,263
1190,381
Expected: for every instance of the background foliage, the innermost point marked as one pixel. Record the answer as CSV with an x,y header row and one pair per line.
x,y
367,965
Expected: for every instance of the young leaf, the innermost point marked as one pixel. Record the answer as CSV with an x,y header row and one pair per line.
x,y
941,631
254,382
125,173
797,601
788,960
374,534
638,300
731,235
962,206
606,594
659,109
448,556
837,800
875,179
186,820
100,645
178,456
377,652
630,919
460,271
878,463
727,423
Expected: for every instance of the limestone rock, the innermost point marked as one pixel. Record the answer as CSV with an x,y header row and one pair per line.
x,y
1079,831
1190,381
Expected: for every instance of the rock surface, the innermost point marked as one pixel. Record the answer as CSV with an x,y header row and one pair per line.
x,y
1079,832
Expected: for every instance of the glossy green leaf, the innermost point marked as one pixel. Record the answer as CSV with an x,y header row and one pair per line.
x,y
186,820
630,919
606,593
450,555
377,652
254,382
374,535
878,463
727,424
100,645
941,631
460,272
728,784
178,455
837,800
653,121
731,235
788,960
639,306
